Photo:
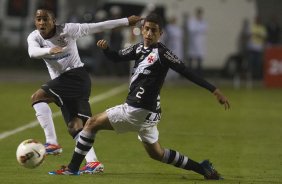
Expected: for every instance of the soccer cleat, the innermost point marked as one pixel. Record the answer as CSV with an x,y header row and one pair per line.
x,y
64,171
92,168
53,149
210,172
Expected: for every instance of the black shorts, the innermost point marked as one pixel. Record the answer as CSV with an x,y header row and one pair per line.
x,y
71,91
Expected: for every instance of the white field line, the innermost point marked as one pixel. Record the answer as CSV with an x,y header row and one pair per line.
x,y
92,100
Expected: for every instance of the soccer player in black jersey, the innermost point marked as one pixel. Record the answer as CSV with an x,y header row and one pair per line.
x,y
141,112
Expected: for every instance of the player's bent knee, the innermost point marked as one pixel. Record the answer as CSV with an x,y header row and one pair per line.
x,y
41,95
91,123
75,126
33,98
73,131
37,96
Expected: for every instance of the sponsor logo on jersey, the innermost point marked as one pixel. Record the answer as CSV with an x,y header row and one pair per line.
x,y
58,57
141,71
171,57
139,49
126,50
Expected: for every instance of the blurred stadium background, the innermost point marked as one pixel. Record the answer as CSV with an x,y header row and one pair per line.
x,y
224,17
244,143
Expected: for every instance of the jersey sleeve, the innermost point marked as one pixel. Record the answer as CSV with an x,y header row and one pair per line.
x,y
34,49
126,54
173,62
77,30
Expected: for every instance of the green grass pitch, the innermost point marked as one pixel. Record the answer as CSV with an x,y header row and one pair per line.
x,y
244,143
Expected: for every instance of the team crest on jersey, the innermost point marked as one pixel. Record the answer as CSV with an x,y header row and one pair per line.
x,y
151,58
62,41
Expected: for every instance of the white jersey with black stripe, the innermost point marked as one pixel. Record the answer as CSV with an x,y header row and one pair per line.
x,y
66,36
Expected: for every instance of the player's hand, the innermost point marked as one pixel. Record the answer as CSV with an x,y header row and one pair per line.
x,y
56,50
133,19
222,99
102,44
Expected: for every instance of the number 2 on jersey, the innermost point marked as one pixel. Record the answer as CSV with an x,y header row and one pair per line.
x,y
139,93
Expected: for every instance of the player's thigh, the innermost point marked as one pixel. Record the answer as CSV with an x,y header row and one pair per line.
x,y
98,122
54,89
149,135
73,109
125,118
74,84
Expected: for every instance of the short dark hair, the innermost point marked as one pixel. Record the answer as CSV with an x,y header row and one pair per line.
x,y
155,18
49,11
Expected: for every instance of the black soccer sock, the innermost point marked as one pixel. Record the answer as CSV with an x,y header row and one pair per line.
x,y
83,145
178,160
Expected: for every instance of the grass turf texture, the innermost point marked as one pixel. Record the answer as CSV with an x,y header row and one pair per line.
x,y
244,143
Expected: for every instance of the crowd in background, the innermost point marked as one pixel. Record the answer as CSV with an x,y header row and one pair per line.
x,y
186,39
91,55
254,38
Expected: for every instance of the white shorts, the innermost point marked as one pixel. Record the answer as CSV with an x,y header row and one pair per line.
x,y
125,118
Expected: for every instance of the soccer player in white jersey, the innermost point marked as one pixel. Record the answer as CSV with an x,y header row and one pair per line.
x,y
142,112
70,84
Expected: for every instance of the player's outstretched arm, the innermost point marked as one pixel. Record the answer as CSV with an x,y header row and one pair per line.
x,y
92,28
113,55
133,19
222,99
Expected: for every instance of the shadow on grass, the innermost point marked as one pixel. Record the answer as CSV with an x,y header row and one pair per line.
x,y
187,178
152,177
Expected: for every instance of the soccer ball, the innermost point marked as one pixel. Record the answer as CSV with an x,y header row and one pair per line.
x,y
30,153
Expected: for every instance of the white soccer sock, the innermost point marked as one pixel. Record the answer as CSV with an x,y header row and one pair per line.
x,y
91,155
44,116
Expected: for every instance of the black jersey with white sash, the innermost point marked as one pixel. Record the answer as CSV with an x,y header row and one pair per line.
x,y
149,72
